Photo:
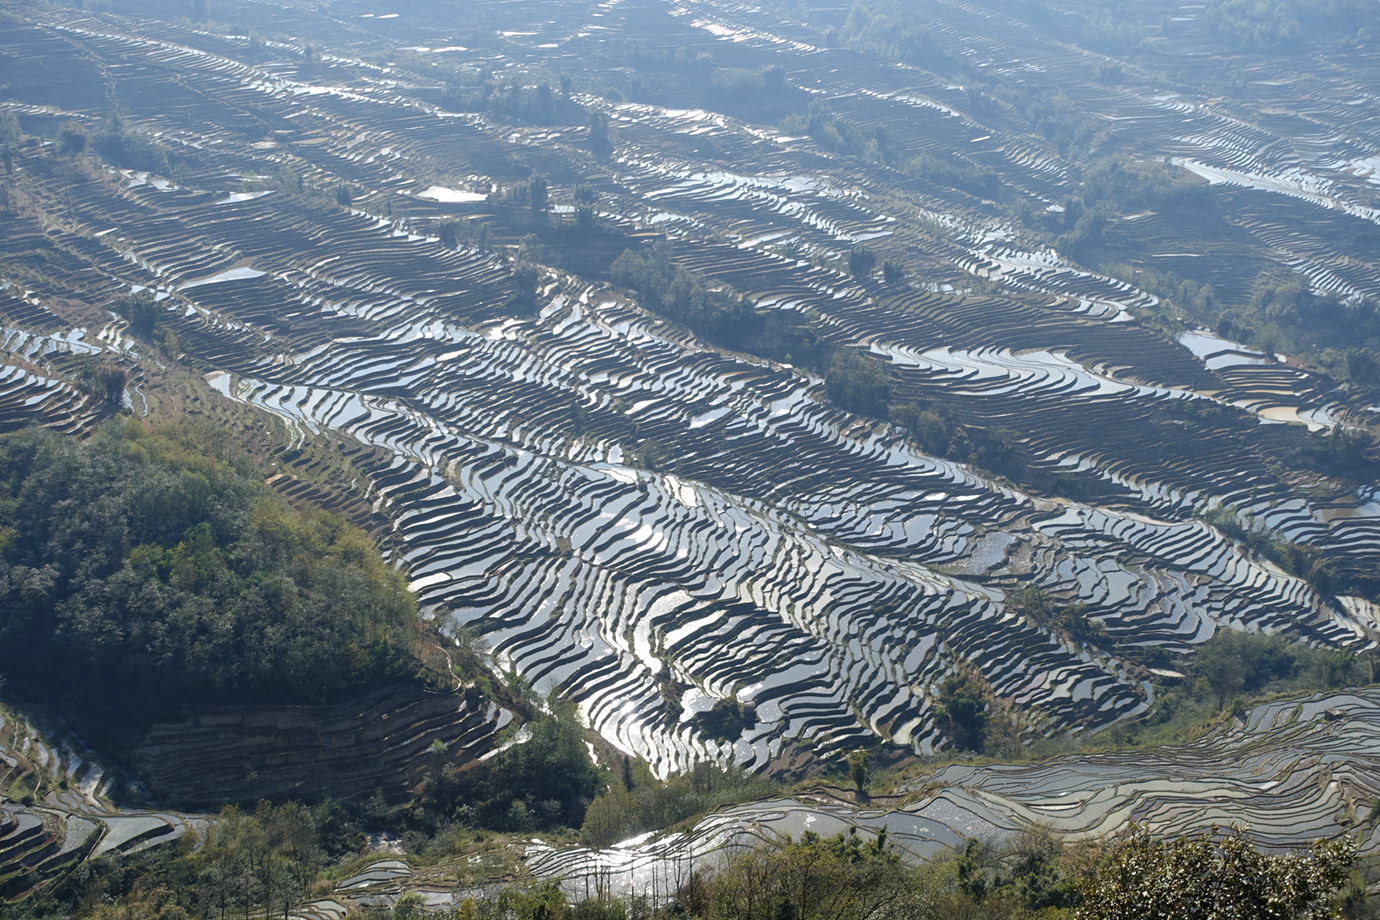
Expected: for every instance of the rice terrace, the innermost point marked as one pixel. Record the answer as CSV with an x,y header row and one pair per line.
x,y
553,450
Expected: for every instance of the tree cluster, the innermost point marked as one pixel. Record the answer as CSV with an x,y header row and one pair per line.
x,y
1070,619
123,145
1034,875
636,802
890,29
541,783
727,719
717,313
1262,25
858,383
953,172
964,708
1216,879
139,572
535,104
1112,189
1232,663
265,862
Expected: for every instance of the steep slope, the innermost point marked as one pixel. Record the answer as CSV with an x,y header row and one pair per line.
x,y
627,514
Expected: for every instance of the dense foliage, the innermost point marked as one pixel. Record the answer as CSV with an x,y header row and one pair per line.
x,y
635,802
963,709
1213,879
857,383
888,29
818,877
141,570
716,313
1232,663
1258,25
544,782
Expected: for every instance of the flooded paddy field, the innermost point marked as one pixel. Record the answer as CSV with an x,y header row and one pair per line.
x,y
635,516
1291,771
75,818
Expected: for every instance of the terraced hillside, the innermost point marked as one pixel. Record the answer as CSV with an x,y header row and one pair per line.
x,y
376,744
58,800
1291,771
397,239
63,813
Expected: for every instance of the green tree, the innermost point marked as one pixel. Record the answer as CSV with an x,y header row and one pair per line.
x,y
410,906
861,262
819,879
539,188
857,769
961,710
522,300
73,139
545,782
141,310
110,383
1232,662
542,901
124,145
146,573
714,311
1362,366
9,128
600,133
1223,672
1204,877
857,382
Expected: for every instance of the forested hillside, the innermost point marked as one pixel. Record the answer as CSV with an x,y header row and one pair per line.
x,y
146,569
